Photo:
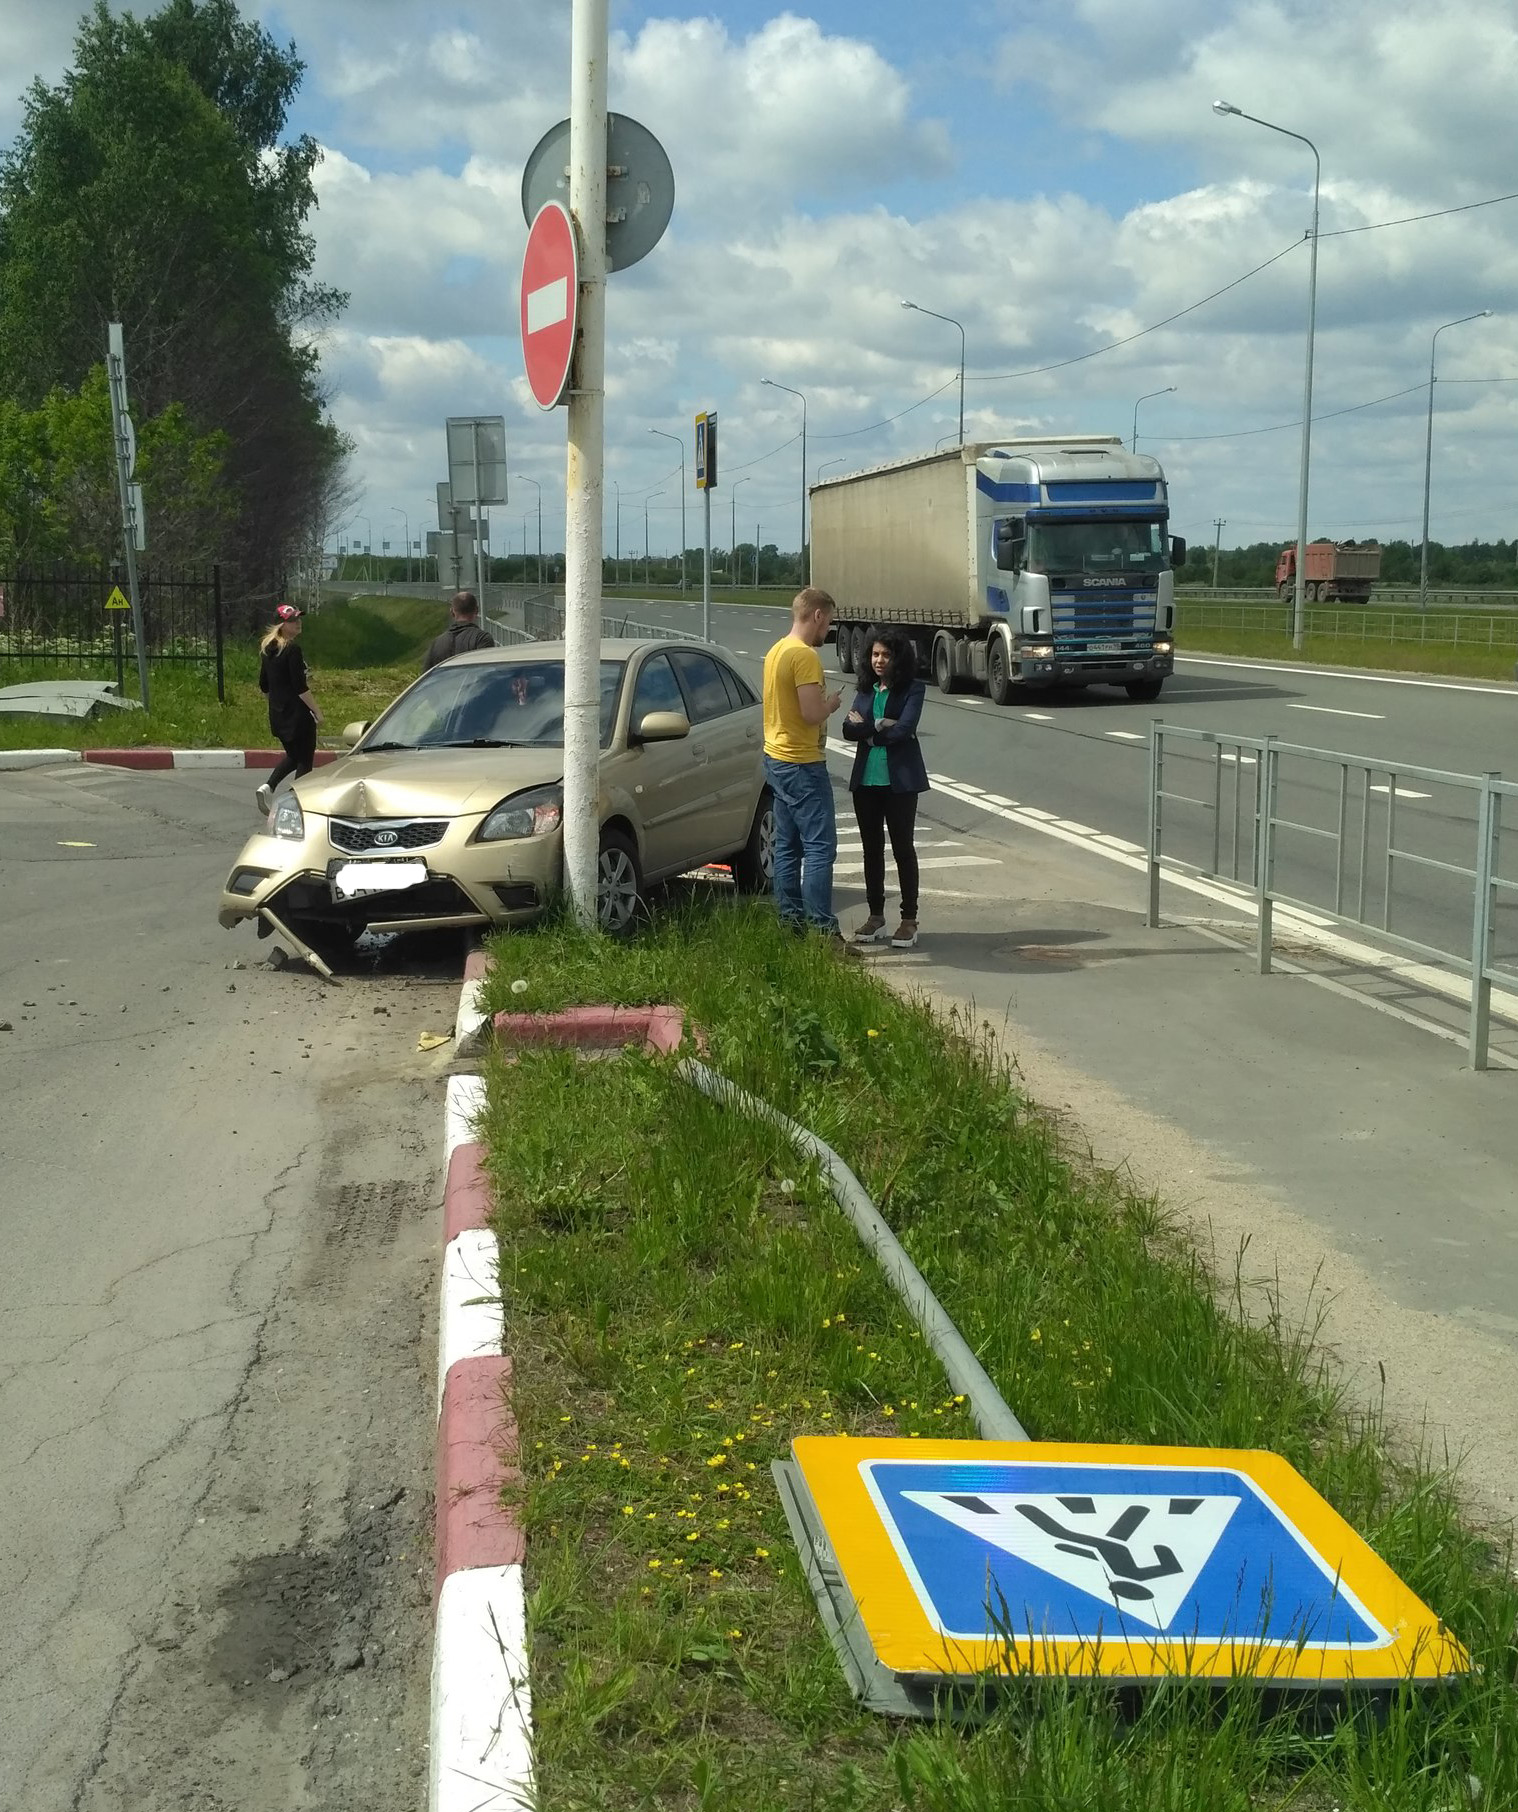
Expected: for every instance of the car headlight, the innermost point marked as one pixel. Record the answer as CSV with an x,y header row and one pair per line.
x,y
530,814
287,819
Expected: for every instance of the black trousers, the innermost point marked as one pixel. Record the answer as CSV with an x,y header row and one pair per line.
x,y
878,811
298,740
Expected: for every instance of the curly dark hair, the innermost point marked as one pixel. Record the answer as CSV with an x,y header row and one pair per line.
x,y
903,655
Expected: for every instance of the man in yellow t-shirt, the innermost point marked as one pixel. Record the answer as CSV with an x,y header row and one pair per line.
x,y
796,711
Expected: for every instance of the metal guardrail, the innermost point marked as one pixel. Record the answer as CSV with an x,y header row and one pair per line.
x,y
1246,847
1354,623
1445,598
541,619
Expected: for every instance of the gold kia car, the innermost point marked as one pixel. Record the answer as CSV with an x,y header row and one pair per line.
x,y
448,809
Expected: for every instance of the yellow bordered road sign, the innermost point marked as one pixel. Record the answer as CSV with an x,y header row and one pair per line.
x,y
962,1559
117,600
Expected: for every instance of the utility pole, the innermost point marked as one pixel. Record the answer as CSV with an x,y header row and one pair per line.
x,y
585,469
1219,523
132,524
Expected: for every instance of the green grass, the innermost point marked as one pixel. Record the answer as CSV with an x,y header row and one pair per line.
x,y
361,654
1346,651
684,1299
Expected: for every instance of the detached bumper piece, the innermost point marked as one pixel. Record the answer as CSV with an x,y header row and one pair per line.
x,y
439,898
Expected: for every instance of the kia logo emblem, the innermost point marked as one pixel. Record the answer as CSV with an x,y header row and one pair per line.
x,y
385,838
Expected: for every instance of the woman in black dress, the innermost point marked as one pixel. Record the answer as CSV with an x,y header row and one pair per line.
x,y
293,715
889,773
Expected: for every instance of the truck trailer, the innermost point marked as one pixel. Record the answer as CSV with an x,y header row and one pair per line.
x,y
1018,565
1335,569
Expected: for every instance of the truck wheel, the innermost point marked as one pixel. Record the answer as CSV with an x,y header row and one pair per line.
x,y
943,665
1143,691
998,673
843,644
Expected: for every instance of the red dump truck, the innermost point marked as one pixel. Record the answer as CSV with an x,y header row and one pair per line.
x,y
1344,570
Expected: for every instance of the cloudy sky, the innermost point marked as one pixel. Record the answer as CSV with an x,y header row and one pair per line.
x,y
1048,172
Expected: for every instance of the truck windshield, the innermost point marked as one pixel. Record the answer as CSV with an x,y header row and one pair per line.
x,y
1096,547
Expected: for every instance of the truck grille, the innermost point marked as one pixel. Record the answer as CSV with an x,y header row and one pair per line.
x,y
1123,619
359,837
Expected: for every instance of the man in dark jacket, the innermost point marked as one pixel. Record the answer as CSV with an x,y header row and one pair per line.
x,y
462,634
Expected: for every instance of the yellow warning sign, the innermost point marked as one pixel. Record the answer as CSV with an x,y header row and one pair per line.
x,y
117,599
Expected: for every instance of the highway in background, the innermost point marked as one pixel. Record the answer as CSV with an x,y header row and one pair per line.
x,y
1082,757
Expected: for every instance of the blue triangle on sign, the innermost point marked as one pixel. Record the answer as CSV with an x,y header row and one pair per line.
x,y
1167,1554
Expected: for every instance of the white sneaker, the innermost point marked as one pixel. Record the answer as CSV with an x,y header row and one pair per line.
x,y
265,798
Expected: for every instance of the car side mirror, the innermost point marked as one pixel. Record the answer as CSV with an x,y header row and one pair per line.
x,y
1177,551
353,733
662,726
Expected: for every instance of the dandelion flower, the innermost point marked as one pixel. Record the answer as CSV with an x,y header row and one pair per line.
x,y
654,1565
761,1553
519,986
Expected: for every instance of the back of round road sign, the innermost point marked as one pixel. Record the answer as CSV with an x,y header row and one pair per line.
x,y
640,186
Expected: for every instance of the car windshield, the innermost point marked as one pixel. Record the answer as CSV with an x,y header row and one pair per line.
x,y
1096,547
489,705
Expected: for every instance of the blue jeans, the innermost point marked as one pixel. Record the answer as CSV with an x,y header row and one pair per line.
x,y
806,842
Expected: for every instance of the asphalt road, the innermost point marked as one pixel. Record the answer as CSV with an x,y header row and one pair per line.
x,y
216,1337
1083,757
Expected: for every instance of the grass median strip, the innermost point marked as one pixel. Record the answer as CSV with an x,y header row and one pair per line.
x,y
683,1299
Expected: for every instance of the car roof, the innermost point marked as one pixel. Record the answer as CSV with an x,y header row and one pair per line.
x,y
612,648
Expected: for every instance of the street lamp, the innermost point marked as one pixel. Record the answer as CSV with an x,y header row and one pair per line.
x,y
368,537
396,510
681,445
646,502
1428,451
522,478
1298,618
616,565
919,309
1144,399
734,543
840,460
806,564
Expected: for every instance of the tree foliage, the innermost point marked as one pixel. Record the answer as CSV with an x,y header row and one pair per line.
x,y
152,186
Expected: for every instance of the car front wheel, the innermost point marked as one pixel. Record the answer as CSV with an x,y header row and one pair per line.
x,y
619,885
754,864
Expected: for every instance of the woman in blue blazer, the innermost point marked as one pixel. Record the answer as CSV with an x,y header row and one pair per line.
x,y
889,773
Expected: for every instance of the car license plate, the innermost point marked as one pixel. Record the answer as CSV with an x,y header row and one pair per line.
x,y
1103,648
352,879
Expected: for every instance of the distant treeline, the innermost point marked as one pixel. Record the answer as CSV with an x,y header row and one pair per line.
x,y
1493,563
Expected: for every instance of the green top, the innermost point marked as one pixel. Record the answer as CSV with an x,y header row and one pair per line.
x,y
877,766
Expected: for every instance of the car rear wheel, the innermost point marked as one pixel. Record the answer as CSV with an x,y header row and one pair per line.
x,y
619,885
754,865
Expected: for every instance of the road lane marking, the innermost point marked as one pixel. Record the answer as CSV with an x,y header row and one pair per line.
x,y
1402,792
1334,711
1038,717
857,868
1128,735
1339,673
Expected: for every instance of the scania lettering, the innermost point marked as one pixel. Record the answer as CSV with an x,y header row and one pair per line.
x,y
1017,565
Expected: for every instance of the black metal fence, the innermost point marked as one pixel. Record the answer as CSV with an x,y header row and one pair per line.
x,y
64,615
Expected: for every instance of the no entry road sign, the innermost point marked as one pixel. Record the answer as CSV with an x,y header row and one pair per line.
x,y
550,304
969,1558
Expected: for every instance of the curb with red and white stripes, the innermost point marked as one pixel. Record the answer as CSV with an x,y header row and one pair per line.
x,y
12,759
481,1753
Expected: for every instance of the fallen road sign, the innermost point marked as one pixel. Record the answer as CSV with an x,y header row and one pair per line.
x,y
953,1561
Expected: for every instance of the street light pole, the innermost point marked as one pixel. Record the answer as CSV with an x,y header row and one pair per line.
x,y
616,565
1428,449
646,502
840,460
396,510
522,478
1144,399
803,557
664,432
741,481
919,309
1298,613
368,537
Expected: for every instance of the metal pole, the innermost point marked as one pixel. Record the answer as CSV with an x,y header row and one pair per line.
x,y
706,572
1428,450
1265,852
803,561
1156,731
741,481
1219,523
585,469
664,434
479,517
221,667
126,450
917,308
1488,813
1133,444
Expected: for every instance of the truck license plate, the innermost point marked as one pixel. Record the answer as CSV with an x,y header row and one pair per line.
x,y
1103,648
352,879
